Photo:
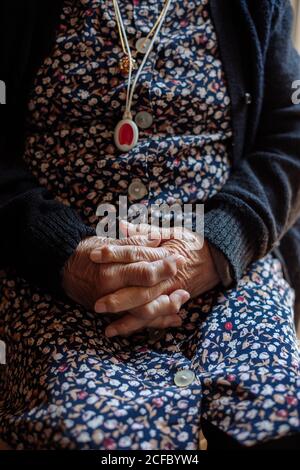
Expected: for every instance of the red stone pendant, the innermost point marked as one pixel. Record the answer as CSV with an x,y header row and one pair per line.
x,y
126,135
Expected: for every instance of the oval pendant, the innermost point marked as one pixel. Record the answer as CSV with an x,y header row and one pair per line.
x,y
126,135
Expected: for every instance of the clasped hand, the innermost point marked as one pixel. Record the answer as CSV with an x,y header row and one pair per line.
x,y
144,281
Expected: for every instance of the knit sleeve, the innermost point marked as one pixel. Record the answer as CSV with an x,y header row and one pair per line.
x,y
260,201
38,233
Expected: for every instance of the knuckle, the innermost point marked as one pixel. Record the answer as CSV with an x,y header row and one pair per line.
x,y
135,239
170,267
149,274
148,311
159,306
140,253
147,296
107,251
133,254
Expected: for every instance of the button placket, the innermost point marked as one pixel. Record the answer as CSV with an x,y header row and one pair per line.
x,y
144,17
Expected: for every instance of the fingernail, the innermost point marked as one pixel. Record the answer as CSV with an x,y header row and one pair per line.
x,y
111,331
100,307
182,296
185,297
153,243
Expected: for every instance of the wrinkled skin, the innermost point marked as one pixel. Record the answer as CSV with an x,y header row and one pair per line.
x,y
147,280
151,266
195,276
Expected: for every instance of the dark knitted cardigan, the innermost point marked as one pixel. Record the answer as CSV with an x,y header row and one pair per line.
x,y
258,209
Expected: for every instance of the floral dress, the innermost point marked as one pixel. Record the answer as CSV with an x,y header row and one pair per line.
x,y
234,361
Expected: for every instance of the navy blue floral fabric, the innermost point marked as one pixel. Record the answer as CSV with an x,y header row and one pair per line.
x,y
65,384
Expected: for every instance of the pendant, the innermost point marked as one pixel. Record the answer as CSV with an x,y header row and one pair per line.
x,y
142,45
126,135
124,65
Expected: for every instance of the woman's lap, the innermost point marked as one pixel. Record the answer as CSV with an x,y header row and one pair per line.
x,y
66,385
249,358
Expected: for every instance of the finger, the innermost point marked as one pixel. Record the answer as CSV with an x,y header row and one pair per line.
x,y
152,231
137,239
128,298
160,313
106,243
164,305
131,297
128,254
180,233
148,274
129,229
115,276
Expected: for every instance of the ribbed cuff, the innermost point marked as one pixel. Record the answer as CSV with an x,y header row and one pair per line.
x,y
47,245
222,266
228,232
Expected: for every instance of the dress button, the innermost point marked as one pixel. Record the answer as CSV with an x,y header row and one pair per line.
x,y
184,378
248,98
137,190
144,120
142,45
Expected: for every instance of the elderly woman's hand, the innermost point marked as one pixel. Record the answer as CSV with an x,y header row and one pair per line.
x,y
85,281
196,276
